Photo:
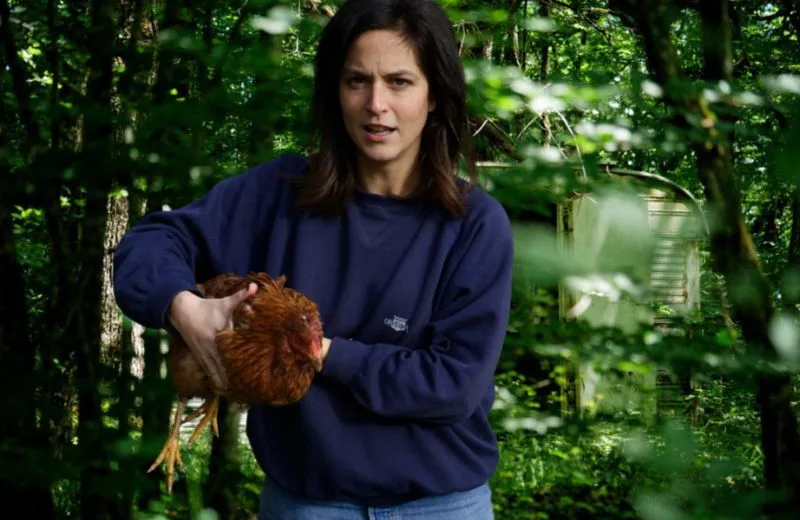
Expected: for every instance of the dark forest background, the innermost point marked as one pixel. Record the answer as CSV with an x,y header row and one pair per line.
x,y
111,109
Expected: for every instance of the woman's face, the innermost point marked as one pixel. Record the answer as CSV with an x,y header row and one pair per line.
x,y
385,99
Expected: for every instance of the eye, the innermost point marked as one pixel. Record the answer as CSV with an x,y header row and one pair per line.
x,y
304,317
354,81
400,82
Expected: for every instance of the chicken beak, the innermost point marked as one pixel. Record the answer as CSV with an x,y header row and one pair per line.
x,y
317,362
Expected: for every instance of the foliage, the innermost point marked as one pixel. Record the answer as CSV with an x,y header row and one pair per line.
x,y
156,101
605,469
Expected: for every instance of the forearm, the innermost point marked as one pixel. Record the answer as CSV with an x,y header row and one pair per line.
x,y
147,280
443,382
166,252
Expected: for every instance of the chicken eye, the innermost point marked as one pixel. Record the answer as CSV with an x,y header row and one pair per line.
x,y
304,317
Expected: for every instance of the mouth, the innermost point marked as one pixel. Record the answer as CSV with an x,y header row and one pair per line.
x,y
378,132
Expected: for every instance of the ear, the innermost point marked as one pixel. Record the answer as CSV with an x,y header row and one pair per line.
x,y
431,104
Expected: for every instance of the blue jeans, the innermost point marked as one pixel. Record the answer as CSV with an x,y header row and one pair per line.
x,y
475,504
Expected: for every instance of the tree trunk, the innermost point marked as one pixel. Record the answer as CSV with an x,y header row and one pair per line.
x,y
488,47
511,53
779,435
204,83
544,76
262,130
24,491
790,283
111,318
790,289
733,251
225,475
133,91
515,47
524,45
82,328
157,395
137,207
766,224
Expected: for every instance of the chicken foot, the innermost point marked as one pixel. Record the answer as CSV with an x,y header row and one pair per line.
x,y
171,452
209,412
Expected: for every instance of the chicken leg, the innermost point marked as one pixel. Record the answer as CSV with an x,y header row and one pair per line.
x,y
171,452
209,414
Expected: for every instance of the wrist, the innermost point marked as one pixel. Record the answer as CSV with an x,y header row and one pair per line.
x,y
177,305
345,361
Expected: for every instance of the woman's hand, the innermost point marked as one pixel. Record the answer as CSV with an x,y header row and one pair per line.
x,y
198,320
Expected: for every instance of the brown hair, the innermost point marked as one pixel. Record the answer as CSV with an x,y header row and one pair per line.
x,y
331,181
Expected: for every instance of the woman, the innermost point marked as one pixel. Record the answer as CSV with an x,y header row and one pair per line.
x,y
409,265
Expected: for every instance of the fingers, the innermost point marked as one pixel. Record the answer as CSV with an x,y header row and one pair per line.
x,y
221,378
235,299
212,359
209,358
212,364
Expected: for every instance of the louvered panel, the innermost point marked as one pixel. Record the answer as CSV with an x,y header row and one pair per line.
x,y
669,288
668,280
668,263
666,277
671,281
669,250
675,219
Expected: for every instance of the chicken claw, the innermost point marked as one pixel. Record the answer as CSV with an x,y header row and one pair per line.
x,y
171,452
209,412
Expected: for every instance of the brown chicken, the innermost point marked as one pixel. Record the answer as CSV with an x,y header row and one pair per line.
x,y
270,356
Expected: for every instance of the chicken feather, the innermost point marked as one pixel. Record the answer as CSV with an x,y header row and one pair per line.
x,y
270,355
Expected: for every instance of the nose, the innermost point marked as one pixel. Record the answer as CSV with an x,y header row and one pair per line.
x,y
377,98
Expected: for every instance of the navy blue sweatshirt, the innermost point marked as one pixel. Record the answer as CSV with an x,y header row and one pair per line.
x,y
415,301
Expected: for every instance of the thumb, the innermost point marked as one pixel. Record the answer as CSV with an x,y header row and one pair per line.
x,y
235,299
240,296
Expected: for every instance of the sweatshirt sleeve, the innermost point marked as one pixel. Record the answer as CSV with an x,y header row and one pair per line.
x,y
445,381
166,252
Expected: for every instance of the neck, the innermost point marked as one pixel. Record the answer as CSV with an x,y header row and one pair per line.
x,y
394,180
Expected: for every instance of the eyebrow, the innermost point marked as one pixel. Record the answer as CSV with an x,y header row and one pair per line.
x,y
399,72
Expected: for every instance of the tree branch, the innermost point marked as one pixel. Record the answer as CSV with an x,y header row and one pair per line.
x,y
132,61
235,37
582,14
